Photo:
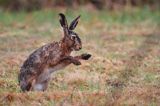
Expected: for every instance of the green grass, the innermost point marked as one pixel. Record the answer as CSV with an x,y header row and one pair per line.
x,y
124,68
126,17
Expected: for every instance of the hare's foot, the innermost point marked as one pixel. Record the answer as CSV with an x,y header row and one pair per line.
x,y
85,56
40,86
76,62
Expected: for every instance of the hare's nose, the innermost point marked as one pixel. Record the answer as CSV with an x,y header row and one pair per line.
x,y
78,47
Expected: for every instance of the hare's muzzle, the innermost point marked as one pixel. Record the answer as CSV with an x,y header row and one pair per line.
x,y
78,47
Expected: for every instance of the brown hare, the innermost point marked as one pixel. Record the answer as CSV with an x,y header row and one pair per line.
x,y
36,71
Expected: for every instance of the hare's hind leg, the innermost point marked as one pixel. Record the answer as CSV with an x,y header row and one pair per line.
x,y
42,81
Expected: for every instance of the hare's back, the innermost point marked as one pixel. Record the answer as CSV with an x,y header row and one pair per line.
x,y
39,60
42,56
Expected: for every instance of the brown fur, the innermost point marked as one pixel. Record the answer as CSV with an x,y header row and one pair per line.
x,y
36,70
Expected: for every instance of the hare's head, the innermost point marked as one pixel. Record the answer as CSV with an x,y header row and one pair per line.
x,y
71,39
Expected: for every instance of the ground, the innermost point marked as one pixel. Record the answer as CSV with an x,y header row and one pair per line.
x,y
124,68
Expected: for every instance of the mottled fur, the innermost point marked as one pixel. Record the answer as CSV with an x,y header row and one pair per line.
x,y
36,70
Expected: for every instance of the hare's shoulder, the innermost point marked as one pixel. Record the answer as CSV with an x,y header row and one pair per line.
x,y
39,56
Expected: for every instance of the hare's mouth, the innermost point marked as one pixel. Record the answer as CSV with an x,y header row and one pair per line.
x,y
76,49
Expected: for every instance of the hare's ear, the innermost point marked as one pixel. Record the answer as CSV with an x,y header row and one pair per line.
x,y
63,20
63,23
74,23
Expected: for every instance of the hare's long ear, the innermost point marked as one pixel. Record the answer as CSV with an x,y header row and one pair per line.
x,y
74,23
63,23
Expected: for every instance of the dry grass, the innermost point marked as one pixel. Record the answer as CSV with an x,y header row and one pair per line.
x,y
124,68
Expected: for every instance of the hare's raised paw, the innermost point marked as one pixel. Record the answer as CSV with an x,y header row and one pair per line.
x,y
76,62
85,56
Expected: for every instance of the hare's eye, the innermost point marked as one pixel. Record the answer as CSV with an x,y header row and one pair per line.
x,y
73,37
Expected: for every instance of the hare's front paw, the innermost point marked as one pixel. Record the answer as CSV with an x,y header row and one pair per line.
x,y
76,62
85,56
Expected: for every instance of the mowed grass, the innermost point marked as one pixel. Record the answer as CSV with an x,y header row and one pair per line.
x,y
124,68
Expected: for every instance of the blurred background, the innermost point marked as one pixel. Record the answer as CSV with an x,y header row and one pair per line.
x,y
30,5
123,37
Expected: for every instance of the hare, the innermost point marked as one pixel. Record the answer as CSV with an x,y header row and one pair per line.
x,y
36,70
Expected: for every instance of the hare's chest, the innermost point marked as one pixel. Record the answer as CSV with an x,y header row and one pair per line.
x,y
47,73
55,68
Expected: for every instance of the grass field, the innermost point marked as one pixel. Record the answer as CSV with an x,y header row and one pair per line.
x,y
124,68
